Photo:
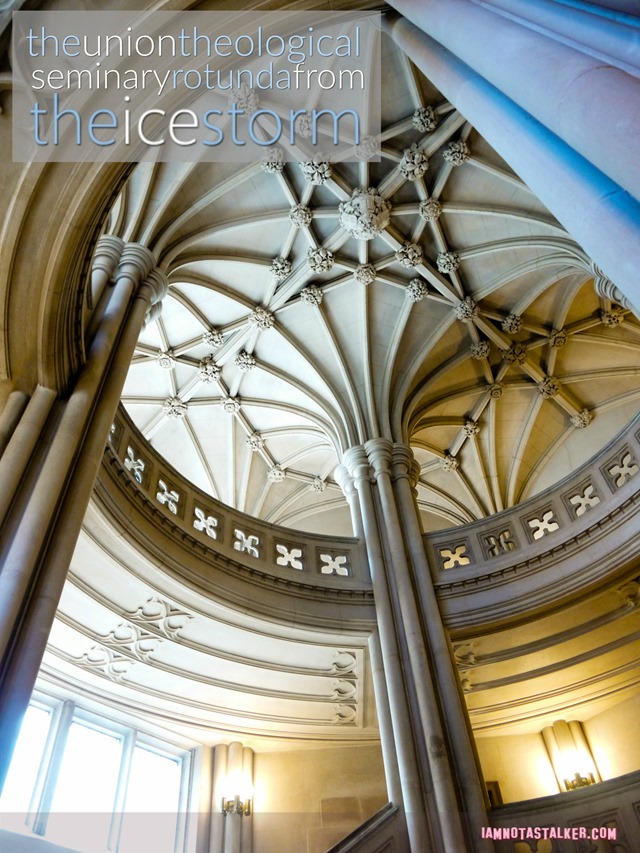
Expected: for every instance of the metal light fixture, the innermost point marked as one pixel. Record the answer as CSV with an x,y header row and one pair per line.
x,y
235,806
570,755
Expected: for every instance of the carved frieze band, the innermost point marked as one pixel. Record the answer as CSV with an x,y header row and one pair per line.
x,y
547,520
213,526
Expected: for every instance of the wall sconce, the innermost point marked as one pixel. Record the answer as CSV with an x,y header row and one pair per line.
x,y
570,755
235,806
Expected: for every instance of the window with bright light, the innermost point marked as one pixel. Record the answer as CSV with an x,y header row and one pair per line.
x,y
85,791
88,783
154,790
22,774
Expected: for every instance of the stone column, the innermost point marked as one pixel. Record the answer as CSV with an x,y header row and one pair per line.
x,y
51,463
427,718
591,105
598,213
456,721
412,784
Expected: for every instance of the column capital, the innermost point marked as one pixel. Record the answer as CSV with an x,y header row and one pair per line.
x,y
606,288
405,465
344,480
379,451
159,285
136,263
106,256
107,253
357,464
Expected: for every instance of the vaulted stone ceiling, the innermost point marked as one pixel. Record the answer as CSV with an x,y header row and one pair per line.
x,y
467,324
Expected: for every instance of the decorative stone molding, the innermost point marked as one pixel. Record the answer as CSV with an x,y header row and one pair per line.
x,y
456,555
365,274
365,214
134,465
194,549
317,170
345,664
174,407
584,500
261,319
548,387
213,338
345,715
582,419
559,338
465,310
273,160
430,210
624,469
409,255
165,360
244,361
205,523
132,639
303,126
367,148
320,260
334,564
162,615
613,317
276,474
516,354
480,349
511,324
344,690
231,405
254,441
246,542
449,463
456,153
416,290
594,511
542,526
109,662
424,119
414,163
447,262
495,390
498,542
208,370
167,497
280,268
300,215
311,295
471,429
245,98
289,557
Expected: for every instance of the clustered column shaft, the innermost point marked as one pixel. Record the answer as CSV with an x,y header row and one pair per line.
x,y
51,457
420,704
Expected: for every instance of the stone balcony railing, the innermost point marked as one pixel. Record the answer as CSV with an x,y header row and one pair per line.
x,y
221,534
570,538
